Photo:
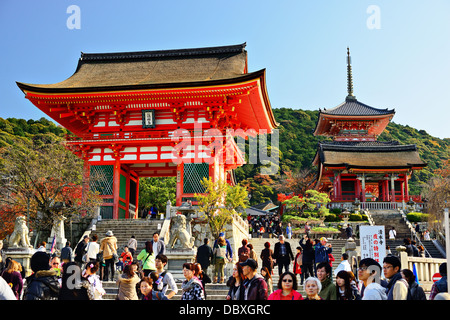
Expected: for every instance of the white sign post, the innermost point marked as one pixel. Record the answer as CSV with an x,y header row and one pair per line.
x,y
373,243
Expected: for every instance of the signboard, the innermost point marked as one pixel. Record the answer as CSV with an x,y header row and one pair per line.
x,y
436,277
373,243
148,118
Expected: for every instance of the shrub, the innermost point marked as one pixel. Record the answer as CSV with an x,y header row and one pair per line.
x,y
417,217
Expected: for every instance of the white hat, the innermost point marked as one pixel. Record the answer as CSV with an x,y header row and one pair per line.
x,y
109,233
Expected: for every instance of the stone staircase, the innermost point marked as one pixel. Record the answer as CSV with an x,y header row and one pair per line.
x,y
144,229
391,218
123,230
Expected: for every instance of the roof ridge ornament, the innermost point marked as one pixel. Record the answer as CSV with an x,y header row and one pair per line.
x,y
350,96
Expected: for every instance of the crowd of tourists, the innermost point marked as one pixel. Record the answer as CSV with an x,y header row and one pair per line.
x,y
80,273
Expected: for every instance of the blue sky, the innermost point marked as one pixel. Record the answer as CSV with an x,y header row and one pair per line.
x,y
403,63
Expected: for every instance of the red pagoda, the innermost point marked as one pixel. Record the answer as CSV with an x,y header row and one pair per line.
x,y
355,165
157,113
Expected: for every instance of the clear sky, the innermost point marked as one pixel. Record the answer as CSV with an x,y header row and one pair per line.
x,y
400,49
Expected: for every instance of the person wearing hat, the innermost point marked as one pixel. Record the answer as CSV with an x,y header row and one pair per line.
x,y
108,246
255,287
43,283
321,252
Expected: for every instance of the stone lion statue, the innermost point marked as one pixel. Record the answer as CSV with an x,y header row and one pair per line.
x,y
19,237
178,232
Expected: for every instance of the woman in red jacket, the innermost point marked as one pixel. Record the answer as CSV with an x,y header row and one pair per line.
x,y
287,288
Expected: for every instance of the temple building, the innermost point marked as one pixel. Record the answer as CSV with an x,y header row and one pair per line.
x,y
354,164
157,113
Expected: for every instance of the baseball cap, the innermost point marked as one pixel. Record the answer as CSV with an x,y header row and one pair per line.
x,y
249,262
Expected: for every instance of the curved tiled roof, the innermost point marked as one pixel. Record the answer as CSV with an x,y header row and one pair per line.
x,y
356,108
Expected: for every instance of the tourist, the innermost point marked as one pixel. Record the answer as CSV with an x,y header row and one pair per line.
x,y
192,287
283,254
70,290
6,292
127,284
426,235
147,257
307,256
416,291
159,247
287,286
229,249
268,277
55,264
397,288
289,231
298,262
203,277
321,252
108,246
132,245
92,281
43,283
255,287
42,247
308,230
392,234
344,288
267,257
147,292
220,259
165,280
244,251
328,291
125,258
253,254
93,248
349,231
235,283
12,275
204,254
441,285
312,288
344,265
369,287
66,253
80,250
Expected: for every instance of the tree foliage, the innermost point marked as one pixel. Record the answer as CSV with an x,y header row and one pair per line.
x,y
219,202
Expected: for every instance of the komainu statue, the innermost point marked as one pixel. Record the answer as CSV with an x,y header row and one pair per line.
x,y
19,237
178,231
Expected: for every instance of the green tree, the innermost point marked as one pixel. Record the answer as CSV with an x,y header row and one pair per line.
x,y
219,202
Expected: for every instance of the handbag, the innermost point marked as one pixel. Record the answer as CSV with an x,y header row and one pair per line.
x,y
115,255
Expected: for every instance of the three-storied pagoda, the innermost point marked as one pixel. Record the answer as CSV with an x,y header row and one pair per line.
x,y
157,113
355,165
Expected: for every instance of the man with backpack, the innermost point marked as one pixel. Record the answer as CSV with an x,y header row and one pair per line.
x,y
165,279
397,287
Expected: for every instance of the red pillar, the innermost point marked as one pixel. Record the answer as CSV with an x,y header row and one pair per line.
x,y
406,187
180,170
137,197
358,189
116,189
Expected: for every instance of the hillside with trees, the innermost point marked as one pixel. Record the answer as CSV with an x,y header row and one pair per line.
x,y
297,147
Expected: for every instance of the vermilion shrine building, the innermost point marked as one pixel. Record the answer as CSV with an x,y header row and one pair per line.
x,y
355,165
157,113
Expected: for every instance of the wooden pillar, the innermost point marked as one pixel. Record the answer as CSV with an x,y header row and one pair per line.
x,y
137,198
406,187
179,195
363,188
116,188
358,189
127,195
386,190
392,188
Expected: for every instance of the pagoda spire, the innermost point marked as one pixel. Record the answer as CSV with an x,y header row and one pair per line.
x,y
350,96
